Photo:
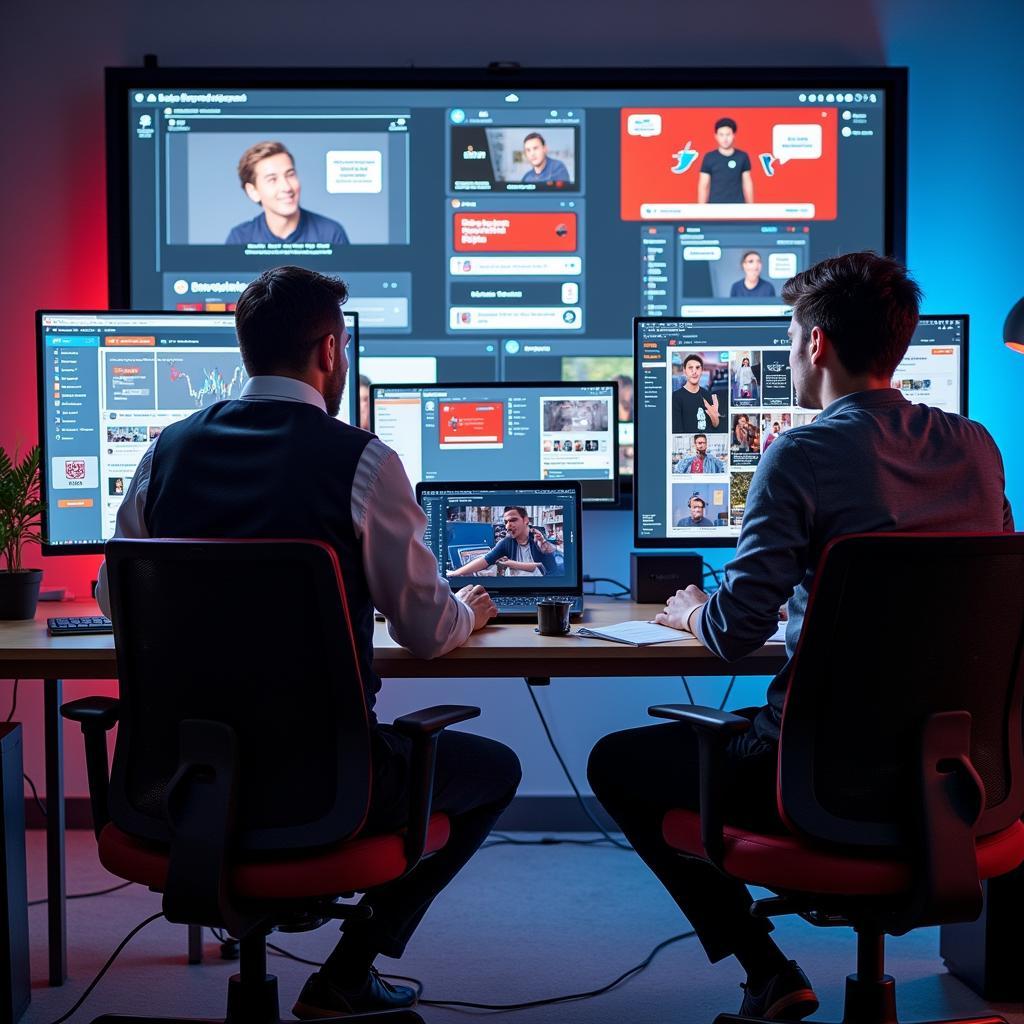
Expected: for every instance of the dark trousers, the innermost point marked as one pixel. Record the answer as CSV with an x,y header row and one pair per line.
x,y
474,781
640,774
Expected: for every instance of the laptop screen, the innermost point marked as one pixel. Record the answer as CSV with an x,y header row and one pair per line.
x,y
509,537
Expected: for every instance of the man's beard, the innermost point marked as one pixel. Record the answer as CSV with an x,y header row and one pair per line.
x,y
335,389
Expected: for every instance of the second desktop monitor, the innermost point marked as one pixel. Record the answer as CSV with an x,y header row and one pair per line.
x,y
526,431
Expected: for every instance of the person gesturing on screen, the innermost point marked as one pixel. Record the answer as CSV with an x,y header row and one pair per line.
x,y
694,408
522,553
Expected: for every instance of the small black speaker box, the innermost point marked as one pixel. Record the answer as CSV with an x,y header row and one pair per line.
x,y
654,578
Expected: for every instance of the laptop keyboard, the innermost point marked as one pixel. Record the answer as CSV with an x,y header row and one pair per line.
x,y
526,602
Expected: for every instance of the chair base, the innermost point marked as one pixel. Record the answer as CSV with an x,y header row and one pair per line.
x,y
256,1003
870,1001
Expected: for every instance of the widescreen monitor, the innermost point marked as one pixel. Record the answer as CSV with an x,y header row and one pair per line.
x,y
501,224
526,431
712,396
109,382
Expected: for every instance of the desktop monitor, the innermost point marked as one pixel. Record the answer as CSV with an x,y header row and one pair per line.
x,y
109,382
529,431
466,520
501,224
698,447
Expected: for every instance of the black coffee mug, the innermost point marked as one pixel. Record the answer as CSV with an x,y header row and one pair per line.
x,y
553,616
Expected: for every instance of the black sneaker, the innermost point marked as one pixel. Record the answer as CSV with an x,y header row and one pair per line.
x,y
322,997
787,996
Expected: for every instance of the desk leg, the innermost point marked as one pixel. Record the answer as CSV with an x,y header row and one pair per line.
x,y
55,866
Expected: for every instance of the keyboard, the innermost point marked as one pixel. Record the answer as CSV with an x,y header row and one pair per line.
x,y
77,625
524,606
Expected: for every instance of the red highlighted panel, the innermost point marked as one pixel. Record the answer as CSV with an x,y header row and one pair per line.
x,y
515,232
792,153
472,423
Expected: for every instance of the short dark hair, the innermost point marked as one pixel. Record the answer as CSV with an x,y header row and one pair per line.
x,y
535,135
696,497
695,436
725,122
749,252
364,381
516,508
867,304
693,355
283,314
253,155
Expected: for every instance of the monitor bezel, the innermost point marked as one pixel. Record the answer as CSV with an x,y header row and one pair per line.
x,y
49,550
675,543
524,485
590,504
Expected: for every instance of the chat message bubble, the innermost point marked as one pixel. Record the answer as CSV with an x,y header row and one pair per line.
x,y
354,170
645,125
702,252
781,264
796,142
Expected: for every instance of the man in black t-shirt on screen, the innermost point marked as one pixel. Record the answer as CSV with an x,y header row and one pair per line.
x,y
694,409
725,172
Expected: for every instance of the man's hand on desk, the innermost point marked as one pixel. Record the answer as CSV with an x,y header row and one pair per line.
x,y
680,606
479,603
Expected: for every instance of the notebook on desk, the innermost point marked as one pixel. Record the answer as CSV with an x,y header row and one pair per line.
x,y
520,540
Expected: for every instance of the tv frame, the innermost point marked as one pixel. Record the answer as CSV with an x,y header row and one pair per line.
x,y
687,543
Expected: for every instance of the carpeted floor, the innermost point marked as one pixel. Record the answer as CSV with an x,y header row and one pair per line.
x,y
520,923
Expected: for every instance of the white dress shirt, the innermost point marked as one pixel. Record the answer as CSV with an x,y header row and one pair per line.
x,y
423,614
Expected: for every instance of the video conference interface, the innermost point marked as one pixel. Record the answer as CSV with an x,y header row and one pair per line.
x,y
534,431
714,395
511,539
489,234
110,384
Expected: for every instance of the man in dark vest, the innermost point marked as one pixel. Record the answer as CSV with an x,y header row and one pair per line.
x,y
277,463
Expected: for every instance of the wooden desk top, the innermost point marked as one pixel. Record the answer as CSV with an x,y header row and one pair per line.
x,y
497,651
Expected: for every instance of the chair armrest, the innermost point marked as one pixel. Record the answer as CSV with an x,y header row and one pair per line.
x,y
423,727
714,729
97,716
711,719
433,720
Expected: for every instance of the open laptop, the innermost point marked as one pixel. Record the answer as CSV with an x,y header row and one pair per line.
x,y
479,534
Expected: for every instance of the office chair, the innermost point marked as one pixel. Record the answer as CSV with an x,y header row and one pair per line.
x,y
901,767
241,774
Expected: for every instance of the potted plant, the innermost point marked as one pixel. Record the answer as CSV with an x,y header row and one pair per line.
x,y
20,509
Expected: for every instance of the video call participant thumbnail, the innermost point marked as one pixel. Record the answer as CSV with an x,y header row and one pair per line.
x,y
725,172
523,552
752,285
694,408
542,166
696,505
701,461
268,177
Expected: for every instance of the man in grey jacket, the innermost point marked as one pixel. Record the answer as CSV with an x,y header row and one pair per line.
x,y
870,461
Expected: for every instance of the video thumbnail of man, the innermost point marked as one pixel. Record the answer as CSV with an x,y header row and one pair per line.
x,y
512,540
297,188
729,163
699,454
700,391
575,415
523,158
745,377
700,506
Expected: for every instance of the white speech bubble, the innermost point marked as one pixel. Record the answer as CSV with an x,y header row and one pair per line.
x,y
702,252
354,170
796,142
781,264
643,124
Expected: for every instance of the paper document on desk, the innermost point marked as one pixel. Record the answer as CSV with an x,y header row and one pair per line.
x,y
637,632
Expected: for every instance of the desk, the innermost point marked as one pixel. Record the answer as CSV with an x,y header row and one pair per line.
x,y
499,651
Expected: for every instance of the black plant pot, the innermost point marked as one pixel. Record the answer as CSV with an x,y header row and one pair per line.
x,y
19,593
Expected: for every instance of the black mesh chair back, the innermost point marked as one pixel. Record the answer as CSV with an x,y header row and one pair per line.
x,y
899,628
254,635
